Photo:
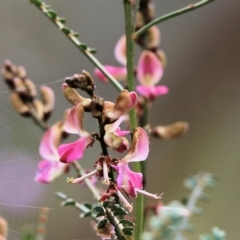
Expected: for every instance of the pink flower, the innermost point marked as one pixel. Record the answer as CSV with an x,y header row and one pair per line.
x,y
149,73
50,168
114,136
73,151
125,102
128,181
120,73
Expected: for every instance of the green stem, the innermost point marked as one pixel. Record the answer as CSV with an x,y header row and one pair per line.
x,y
132,115
181,11
73,37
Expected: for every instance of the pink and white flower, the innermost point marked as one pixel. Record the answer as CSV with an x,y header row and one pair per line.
x,y
50,168
74,124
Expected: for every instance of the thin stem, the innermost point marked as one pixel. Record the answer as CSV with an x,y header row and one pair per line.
x,y
91,187
191,205
132,115
181,11
72,36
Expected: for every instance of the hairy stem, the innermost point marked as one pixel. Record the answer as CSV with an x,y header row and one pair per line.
x,y
181,11
73,37
132,115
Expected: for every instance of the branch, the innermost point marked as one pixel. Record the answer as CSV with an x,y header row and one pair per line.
x,y
181,11
58,21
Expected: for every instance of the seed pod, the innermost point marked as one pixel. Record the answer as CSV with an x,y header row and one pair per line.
x,y
172,131
18,105
31,88
153,38
48,100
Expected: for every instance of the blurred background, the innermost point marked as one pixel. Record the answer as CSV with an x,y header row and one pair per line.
x,y
203,74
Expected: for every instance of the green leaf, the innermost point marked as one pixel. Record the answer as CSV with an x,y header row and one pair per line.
x,y
126,222
98,209
102,223
36,2
66,30
106,203
83,46
128,231
52,14
88,205
92,50
120,212
76,34
100,214
68,202
62,20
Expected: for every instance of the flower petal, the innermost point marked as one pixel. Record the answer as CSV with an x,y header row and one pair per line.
x,y
48,171
73,151
74,121
120,73
120,51
149,69
140,146
50,140
125,101
151,92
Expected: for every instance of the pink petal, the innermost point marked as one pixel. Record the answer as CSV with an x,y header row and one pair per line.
x,y
49,143
120,73
120,51
149,69
128,180
73,151
48,171
140,146
151,92
74,121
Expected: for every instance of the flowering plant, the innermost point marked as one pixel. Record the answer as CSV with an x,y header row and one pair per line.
x,y
123,177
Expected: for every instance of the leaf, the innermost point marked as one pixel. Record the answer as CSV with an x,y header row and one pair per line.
x,y
83,46
126,222
100,214
128,231
88,205
120,212
52,14
62,20
102,223
98,209
106,203
65,30
68,202
92,50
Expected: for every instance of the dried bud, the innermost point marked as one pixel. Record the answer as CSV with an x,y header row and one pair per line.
x,y
38,105
153,38
97,107
48,100
106,231
21,72
83,81
171,131
115,142
151,11
162,57
18,105
139,20
31,88
8,72
3,228
74,98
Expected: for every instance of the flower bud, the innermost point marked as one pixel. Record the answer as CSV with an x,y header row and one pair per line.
x,y
139,20
74,98
48,100
115,142
171,131
21,72
18,105
31,88
162,57
83,81
153,38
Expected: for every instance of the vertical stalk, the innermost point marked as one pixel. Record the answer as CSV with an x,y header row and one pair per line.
x,y
132,115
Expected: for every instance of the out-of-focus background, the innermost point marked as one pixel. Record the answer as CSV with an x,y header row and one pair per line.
x,y
203,74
